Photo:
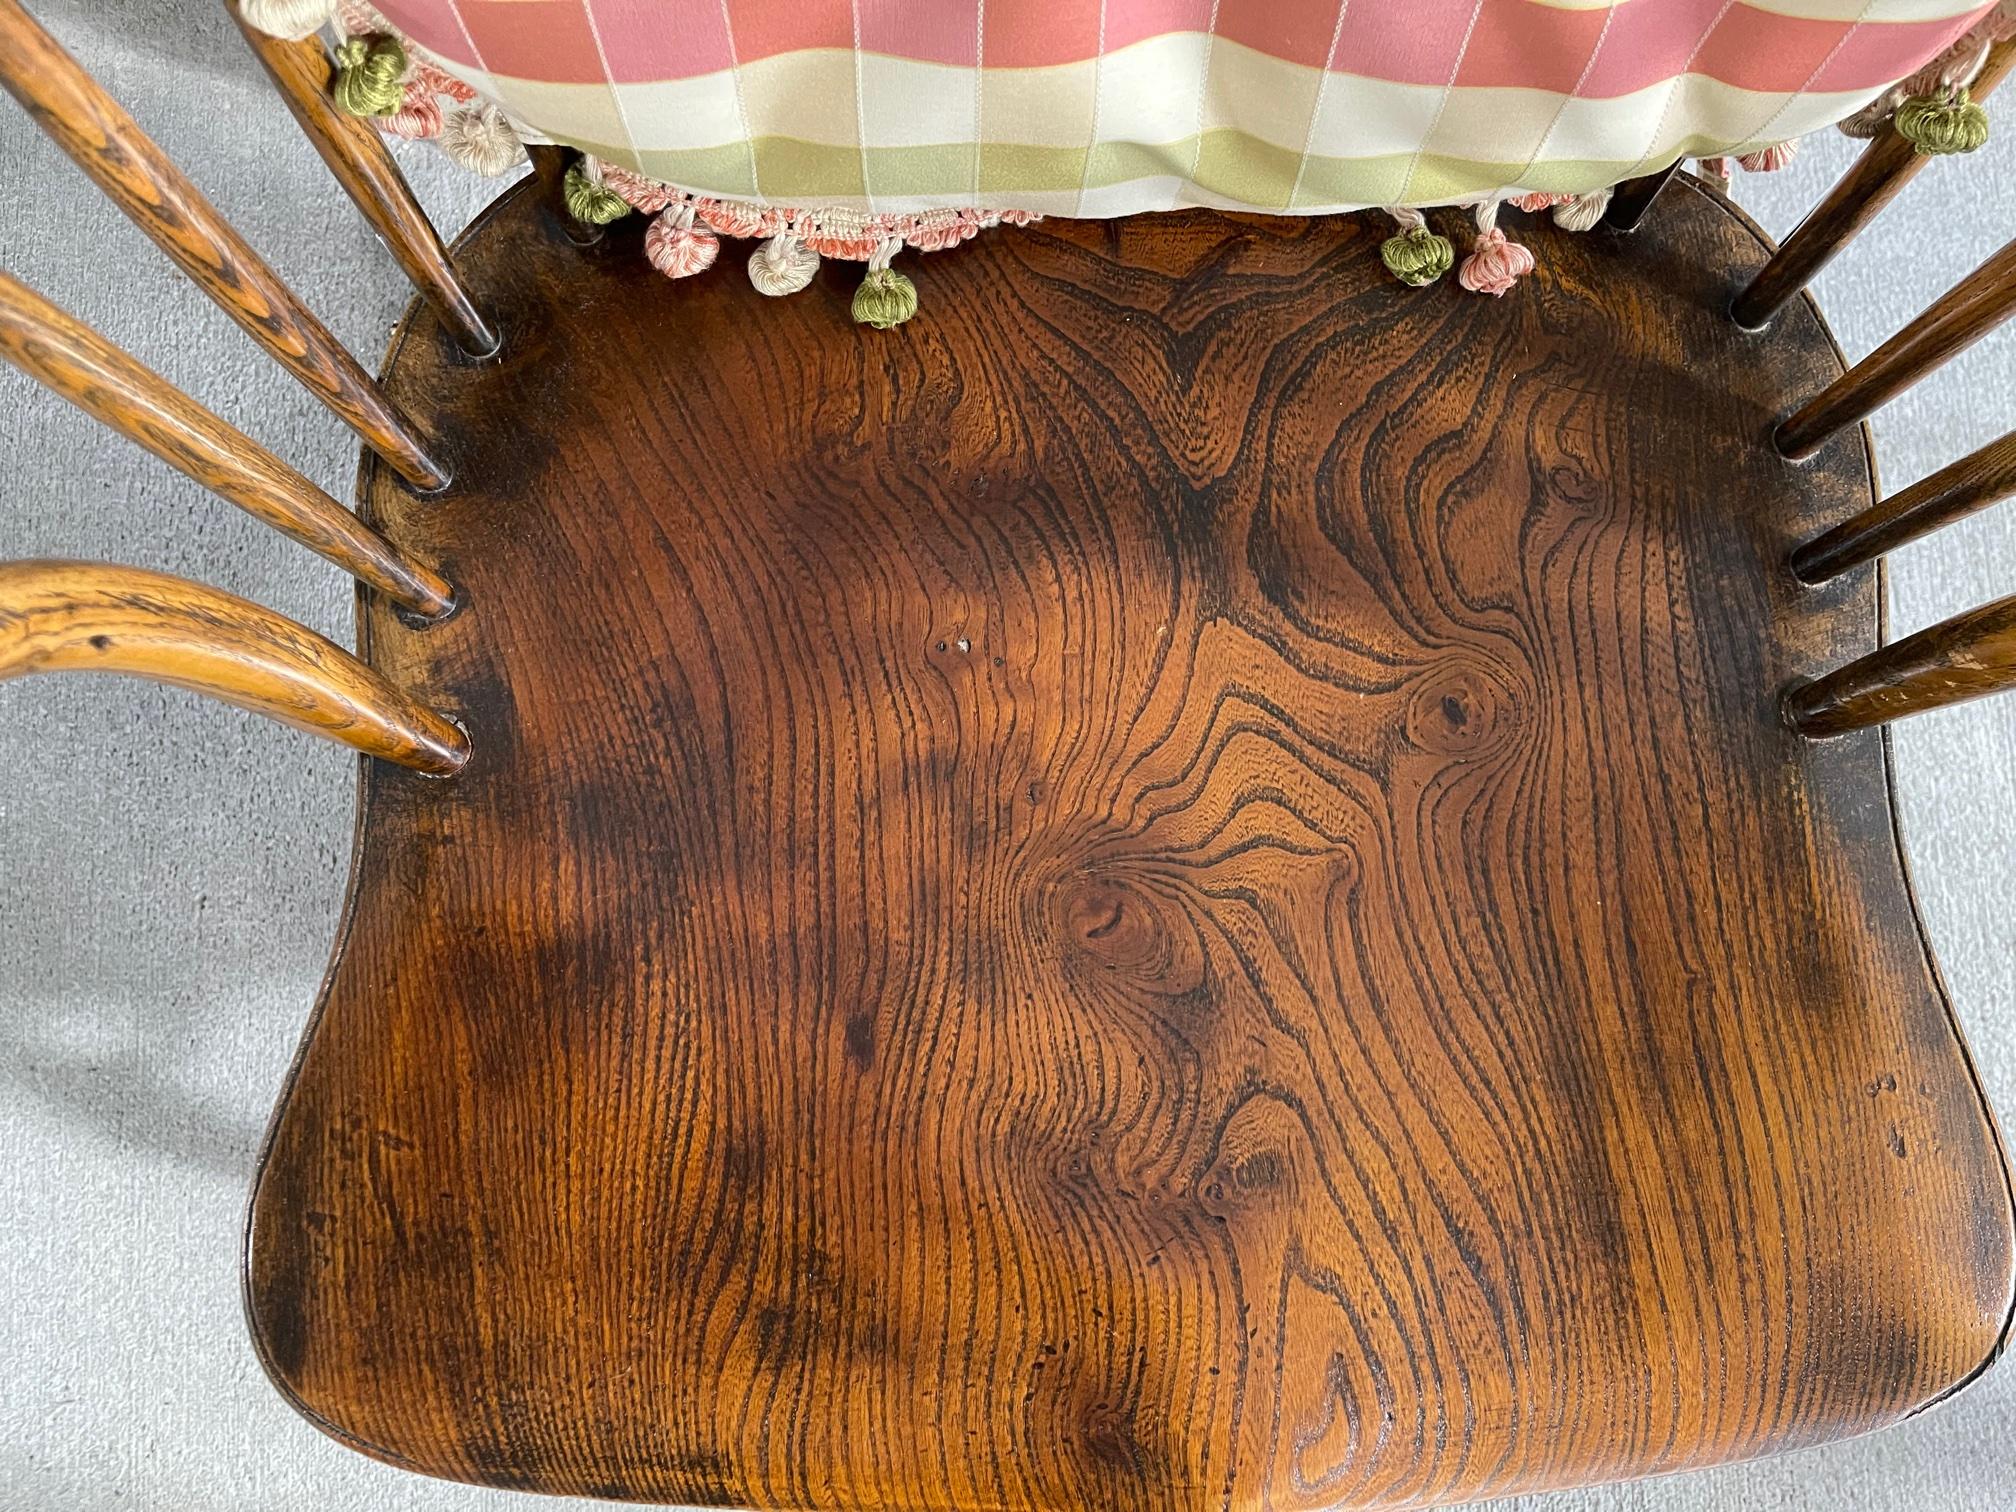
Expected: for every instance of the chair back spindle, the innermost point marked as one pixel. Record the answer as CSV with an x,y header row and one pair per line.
x,y
1967,656
1970,654
1633,198
357,156
1957,319
1954,492
1886,165
77,363
79,616
138,177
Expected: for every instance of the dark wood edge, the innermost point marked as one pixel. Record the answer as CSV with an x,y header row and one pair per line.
x,y
367,464
1953,1024
1880,587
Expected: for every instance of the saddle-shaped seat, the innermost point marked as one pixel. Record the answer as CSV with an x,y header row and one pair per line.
x,y
1184,888
1198,881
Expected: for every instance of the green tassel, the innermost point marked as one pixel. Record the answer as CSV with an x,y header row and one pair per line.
x,y
885,299
1941,124
368,74
1417,257
591,203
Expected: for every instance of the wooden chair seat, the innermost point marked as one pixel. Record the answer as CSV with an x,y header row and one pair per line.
x,y
1180,887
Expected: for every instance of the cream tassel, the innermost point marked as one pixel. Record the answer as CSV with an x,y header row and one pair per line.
x,y
1584,212
291,19
481,140
782,265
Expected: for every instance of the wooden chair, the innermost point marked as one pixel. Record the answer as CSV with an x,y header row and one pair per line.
x,y
1201,881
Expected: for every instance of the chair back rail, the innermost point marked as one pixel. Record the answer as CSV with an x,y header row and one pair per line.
x,y
138,177
1886,165
1956,320
79,616
1954,492
357,156
74,361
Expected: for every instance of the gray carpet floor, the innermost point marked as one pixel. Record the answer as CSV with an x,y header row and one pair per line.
x,y
170,870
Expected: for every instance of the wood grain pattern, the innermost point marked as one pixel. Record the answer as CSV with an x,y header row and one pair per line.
x,y
154,194
1968,656
1954,492
87,617
1955,321
1886,165
356,154
56,349
1179,886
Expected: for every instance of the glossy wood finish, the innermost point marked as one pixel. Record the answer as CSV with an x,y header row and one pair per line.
x,y
1887,164
137,176
1954,492
1956,320
87,617
356,154
1179,886
1968,656
56,349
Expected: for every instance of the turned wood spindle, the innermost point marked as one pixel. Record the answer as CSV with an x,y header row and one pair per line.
x,y
1959,318
138,177
356,154
1968,656
1633,197
85,617
1952,493
75,362
1886,165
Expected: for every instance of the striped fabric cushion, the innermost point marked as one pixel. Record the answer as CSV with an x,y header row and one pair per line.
x,y
1112,107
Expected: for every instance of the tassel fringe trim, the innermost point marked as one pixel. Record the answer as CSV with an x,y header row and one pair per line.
x,y
409,96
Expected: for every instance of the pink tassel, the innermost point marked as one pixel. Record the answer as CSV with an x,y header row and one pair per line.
x,y
419,117
677,247
1538,200
1496,263
1768,159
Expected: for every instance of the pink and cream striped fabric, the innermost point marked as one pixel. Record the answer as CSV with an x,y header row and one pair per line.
x,y
1111,107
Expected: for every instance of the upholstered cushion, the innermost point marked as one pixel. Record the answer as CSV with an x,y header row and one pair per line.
x,y
1110,107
